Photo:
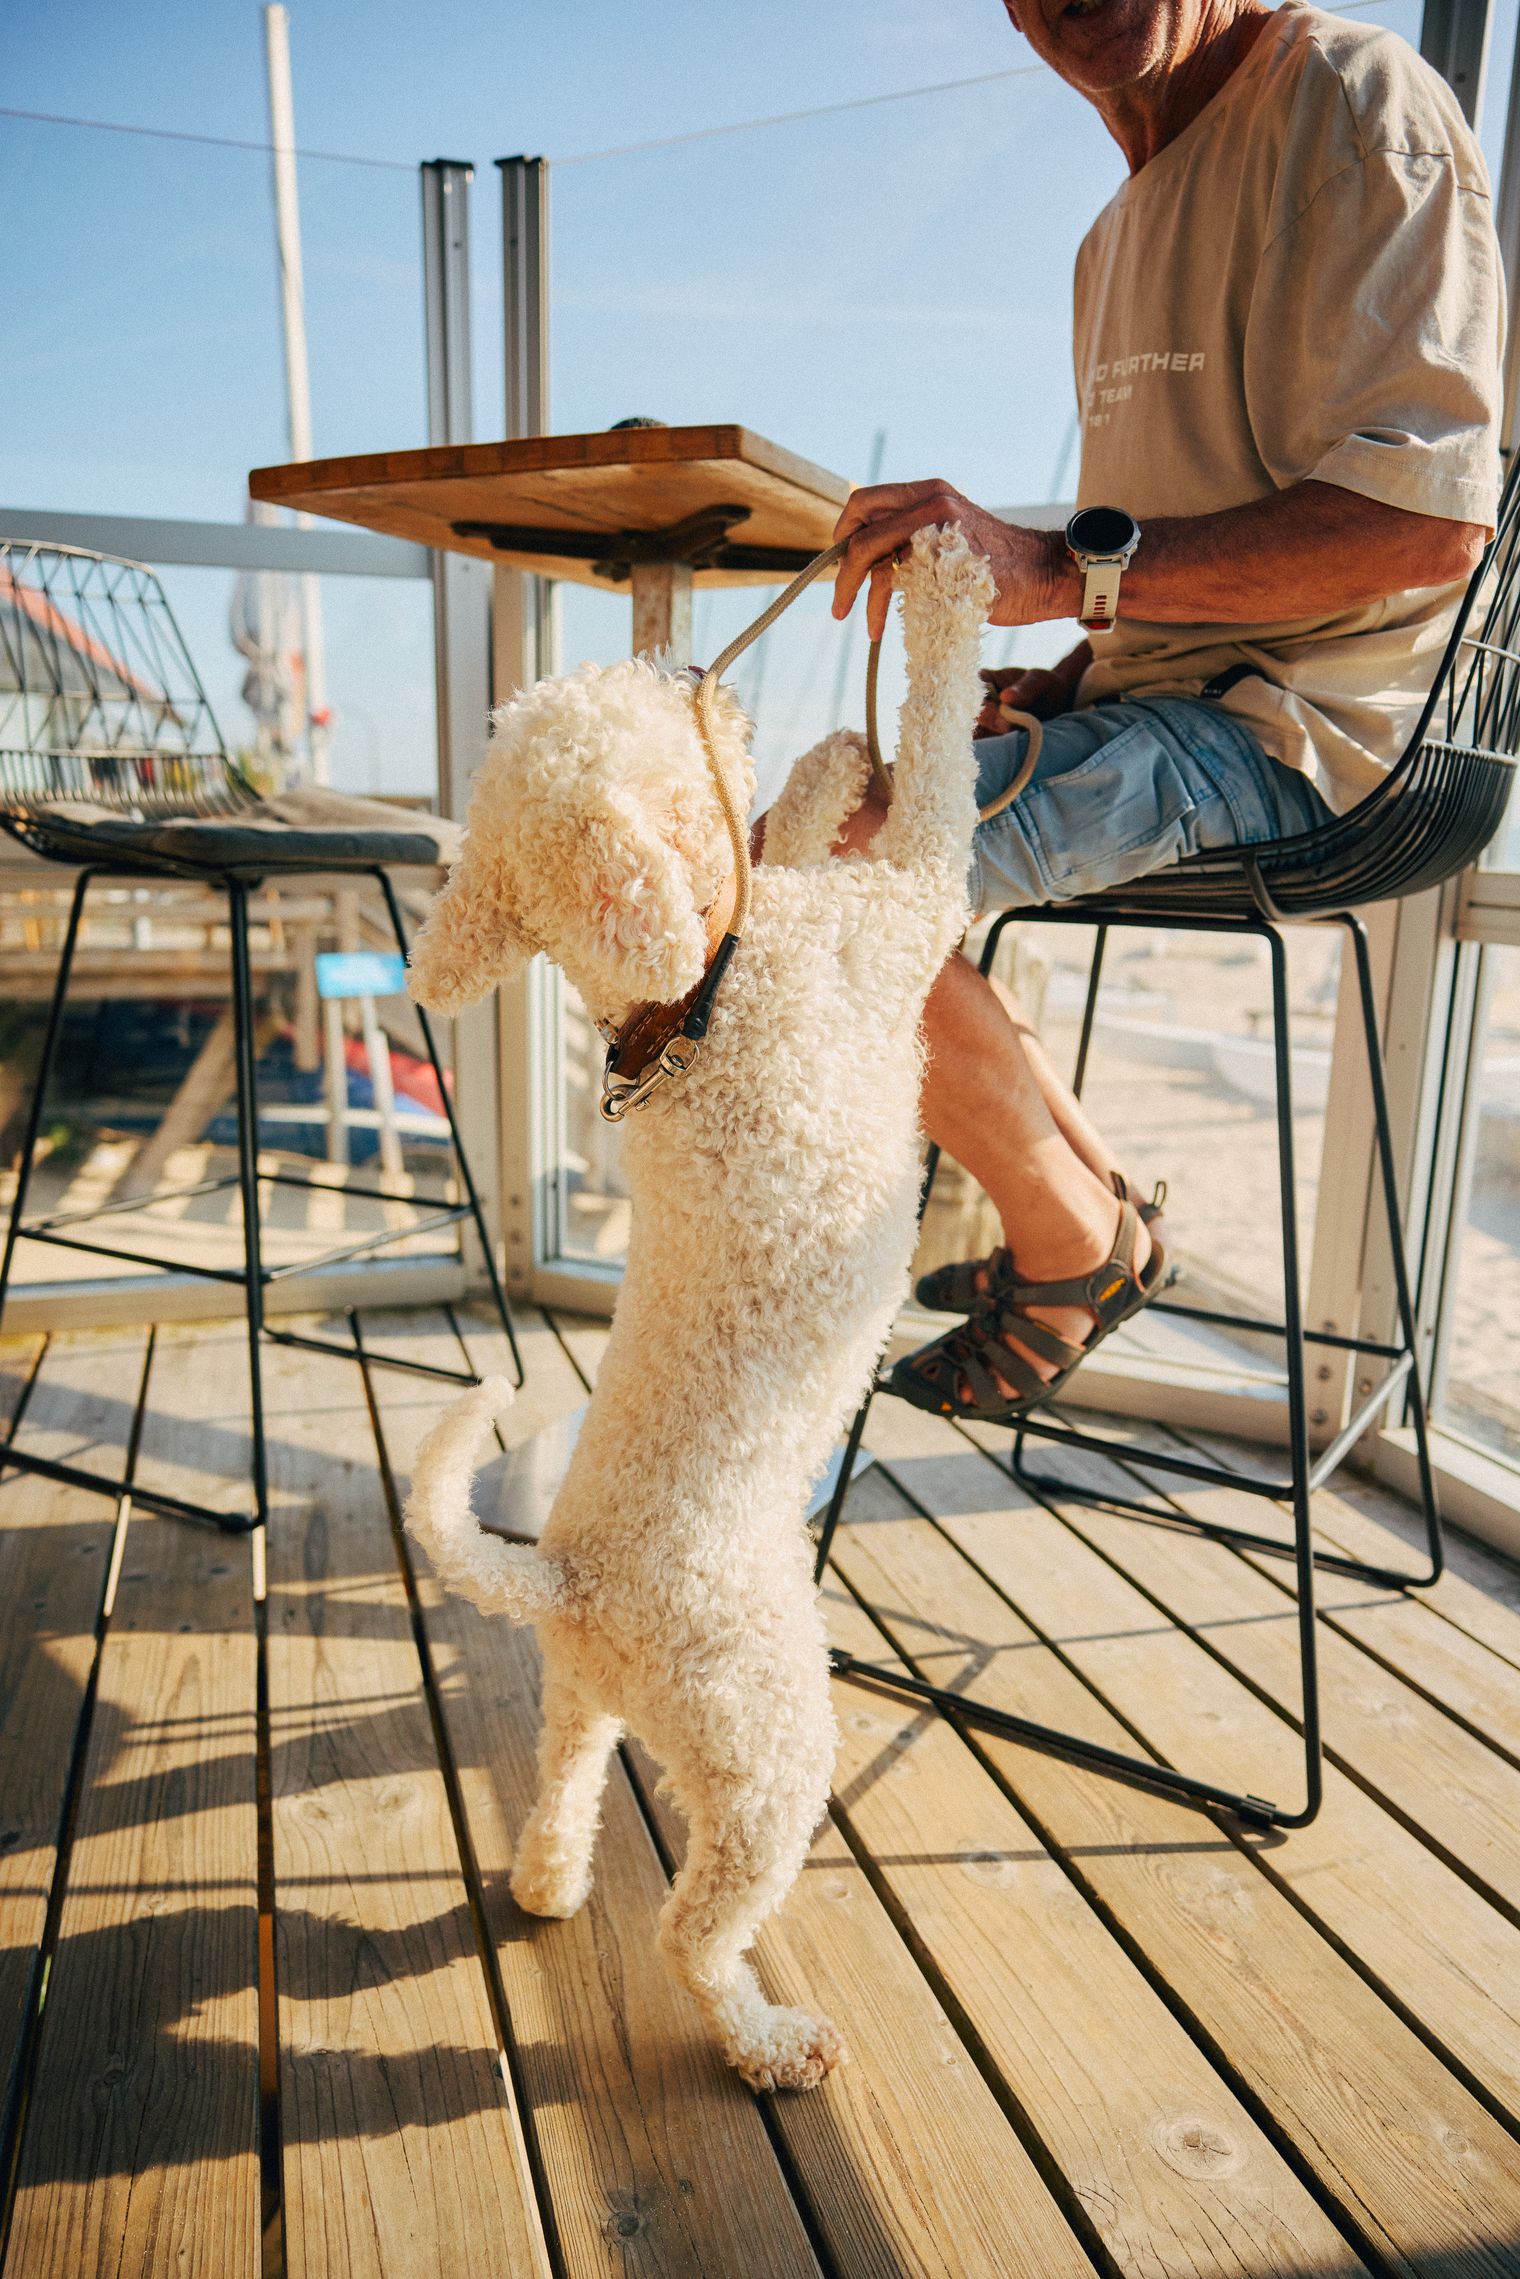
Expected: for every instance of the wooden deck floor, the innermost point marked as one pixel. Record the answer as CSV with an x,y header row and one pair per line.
x,y
266,2006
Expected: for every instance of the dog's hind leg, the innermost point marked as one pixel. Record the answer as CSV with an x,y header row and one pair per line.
x,y
734,1875
551,1874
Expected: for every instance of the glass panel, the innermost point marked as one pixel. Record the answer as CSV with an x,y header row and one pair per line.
x,y
1503,849
1481,1397
142,319
1180,1081
593,1195
860,360
246,636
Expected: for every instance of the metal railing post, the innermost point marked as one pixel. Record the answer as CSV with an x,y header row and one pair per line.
x,y
524,648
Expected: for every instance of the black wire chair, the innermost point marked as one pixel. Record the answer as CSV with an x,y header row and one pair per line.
x,y
111,760
1429,819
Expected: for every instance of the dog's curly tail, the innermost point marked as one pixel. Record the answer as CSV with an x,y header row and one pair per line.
x,y
504,1578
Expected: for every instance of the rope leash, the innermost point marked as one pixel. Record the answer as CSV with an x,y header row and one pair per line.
x,y
621,1094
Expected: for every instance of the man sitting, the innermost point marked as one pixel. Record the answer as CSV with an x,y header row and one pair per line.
x,y
1287,344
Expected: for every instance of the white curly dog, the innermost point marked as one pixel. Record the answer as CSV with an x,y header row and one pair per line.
x,y
774,1191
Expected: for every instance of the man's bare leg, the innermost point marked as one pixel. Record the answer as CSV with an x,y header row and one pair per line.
x,y
985,1103
1076,1127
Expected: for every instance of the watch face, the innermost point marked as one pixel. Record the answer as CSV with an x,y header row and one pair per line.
x,y
1101,530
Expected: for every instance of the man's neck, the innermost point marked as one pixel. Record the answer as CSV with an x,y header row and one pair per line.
x,y
1151,112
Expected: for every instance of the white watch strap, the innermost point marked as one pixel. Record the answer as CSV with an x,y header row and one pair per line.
x,y
1100,591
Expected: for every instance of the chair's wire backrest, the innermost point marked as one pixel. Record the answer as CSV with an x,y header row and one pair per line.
x,y
100,702
1474,701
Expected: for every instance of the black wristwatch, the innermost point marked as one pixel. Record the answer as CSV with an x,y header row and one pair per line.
x,y
1100,540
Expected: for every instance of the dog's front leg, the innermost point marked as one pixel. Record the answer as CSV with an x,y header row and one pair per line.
x,y
551,1874
947,590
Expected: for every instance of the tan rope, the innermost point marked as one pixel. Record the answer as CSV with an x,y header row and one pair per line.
x,y
737,826
738,831
880,773
1035,730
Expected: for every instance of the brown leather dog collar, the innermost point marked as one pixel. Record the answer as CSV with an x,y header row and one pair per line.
x,y
657,1042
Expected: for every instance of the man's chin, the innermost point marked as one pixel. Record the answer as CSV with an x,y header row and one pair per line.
x,y
1099,45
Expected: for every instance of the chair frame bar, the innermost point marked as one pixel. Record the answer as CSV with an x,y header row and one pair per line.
x,y
1305,1473
253,1276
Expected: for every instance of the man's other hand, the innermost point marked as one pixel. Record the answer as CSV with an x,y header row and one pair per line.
x,y
1022,688
1034,575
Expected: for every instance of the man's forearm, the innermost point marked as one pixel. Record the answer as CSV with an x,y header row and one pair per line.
x,y
1305,552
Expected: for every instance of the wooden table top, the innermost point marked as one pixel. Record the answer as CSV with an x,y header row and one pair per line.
x,y
564,505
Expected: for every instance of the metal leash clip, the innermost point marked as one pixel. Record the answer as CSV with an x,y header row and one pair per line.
x,y
618,1095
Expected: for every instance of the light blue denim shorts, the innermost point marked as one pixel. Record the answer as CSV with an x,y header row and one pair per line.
x,y
1122,789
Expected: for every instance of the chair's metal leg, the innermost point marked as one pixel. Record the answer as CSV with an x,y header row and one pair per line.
x,y
482,1231
1388,1178
1298,1408
27,1460
990,946
50,1038
1089,1011
842,1485
248,1182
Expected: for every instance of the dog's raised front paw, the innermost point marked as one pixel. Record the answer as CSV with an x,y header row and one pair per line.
x,y
793,2050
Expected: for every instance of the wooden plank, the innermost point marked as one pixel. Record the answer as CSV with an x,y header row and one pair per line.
x,y
1480,1590
1354,1516
1166,2164
655,2158
141,2145
907,2161
55,1548
1443,1954
614,480
1462,1798
906,2158
1456,1672
401,2145
1413,2165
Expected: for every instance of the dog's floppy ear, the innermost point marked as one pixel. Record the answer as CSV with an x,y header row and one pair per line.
x,y
471,938
647,936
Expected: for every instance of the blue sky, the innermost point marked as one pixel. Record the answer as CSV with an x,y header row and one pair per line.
x,y
905,267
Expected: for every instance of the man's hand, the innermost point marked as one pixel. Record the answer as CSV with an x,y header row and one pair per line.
x,y
1035,577
1041,690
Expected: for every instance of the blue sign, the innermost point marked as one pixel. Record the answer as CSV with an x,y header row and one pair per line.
x,y
360,973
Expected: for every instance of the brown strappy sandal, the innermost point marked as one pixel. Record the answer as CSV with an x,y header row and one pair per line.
x,y
954,1289
932,1377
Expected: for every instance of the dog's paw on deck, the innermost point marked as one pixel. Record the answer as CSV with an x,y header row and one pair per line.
x,y
794,2051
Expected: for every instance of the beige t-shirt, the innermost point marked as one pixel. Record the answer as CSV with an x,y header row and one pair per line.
x,y
1304,284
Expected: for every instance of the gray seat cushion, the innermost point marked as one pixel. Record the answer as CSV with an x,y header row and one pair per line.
x,y
308,829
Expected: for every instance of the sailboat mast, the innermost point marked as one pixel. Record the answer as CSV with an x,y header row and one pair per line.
x,y
287,224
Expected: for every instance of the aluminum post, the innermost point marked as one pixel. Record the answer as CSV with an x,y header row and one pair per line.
x,y
525,606
461,625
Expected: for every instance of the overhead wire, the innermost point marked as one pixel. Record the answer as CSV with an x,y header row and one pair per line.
x,y
214,142
575,157
788,118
